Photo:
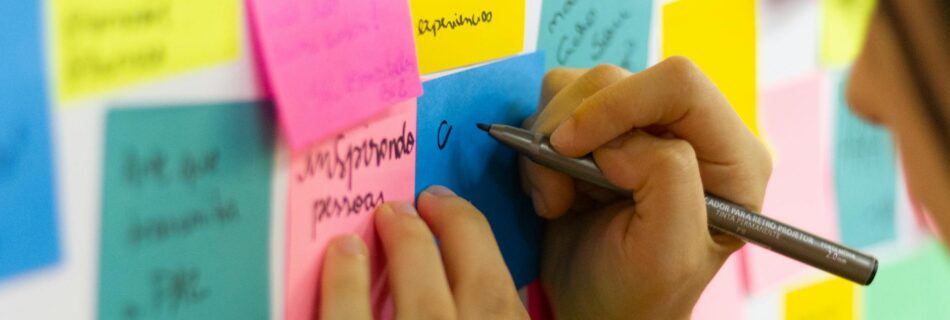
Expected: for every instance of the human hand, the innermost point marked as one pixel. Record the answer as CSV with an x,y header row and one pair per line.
x,y
464,277
668,134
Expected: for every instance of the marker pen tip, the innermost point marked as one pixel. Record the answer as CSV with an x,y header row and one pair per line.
x,y
483,126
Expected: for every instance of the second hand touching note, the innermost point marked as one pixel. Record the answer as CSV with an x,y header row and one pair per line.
x,y
335,186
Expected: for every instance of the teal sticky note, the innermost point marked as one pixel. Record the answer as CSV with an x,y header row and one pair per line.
x,y
916,287
582,34
186,211
865,177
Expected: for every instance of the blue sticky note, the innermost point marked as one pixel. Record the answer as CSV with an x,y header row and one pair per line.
x,y
865,177
186,212
582,34
453,152
28,235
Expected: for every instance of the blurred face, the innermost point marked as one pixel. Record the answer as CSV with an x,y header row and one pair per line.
x,y
883,91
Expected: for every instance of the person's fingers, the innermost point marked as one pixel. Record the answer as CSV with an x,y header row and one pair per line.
x,y
667,190
480,281
345,281
677,96
552,192
416,275
563,104
554,81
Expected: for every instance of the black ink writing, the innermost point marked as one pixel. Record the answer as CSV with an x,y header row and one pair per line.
x,y
441,140
175,288
82,26
154,167
158,229
560,15
346,157
603,39
433,26
569,44
344,206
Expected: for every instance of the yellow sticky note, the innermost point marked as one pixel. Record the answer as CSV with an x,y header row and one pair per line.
x,y
105,44
719,36
831,299
843,26
455,33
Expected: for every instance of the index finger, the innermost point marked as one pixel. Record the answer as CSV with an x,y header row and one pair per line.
x,y
673,94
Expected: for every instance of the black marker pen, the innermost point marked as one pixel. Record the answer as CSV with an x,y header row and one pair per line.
x,y
723,215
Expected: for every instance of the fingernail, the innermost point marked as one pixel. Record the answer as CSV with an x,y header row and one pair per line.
x,y
561,137
404,208
440,191
538,203
351,245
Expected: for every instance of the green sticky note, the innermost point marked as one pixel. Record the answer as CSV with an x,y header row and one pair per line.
x,y
186,211
843,27
917,287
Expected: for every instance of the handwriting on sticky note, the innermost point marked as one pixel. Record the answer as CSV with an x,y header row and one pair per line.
x,y
466,31
865,177
105,44
186,196
720,39
334,188
454,153
586,33
342,60
831,299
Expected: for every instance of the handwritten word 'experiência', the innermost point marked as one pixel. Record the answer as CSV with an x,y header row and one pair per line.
x,y
346,157
158,229
154,168
344,206
458,21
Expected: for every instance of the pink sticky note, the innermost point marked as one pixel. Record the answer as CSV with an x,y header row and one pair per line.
x,y
723,297
334,188
332,64
795,122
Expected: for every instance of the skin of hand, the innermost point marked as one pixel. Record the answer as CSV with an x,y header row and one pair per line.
x,y
667,133
463,277
881,90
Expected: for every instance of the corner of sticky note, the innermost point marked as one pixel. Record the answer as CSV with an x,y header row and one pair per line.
x,y
720,38
832,299
102,45
462,32
844,25
339,63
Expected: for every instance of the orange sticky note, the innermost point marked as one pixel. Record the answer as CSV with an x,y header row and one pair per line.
x,y
719,36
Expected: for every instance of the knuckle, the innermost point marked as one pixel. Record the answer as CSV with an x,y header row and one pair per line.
x,y
556,79
465,215
690,78
411,232
675,154
602,75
